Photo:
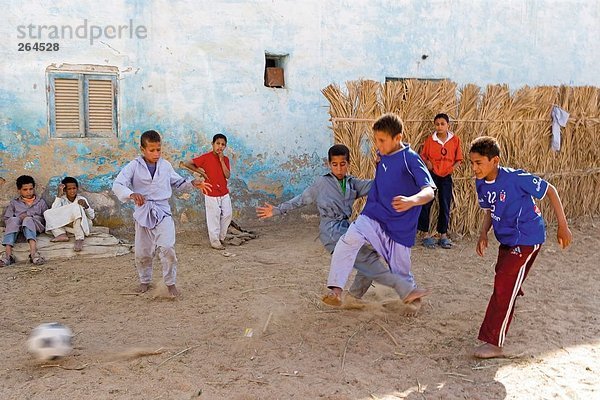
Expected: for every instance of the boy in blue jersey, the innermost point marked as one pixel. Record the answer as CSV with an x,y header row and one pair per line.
x,y
507,195
389,220
334,194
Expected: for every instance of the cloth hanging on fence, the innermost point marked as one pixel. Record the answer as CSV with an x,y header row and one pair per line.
x,y
559,118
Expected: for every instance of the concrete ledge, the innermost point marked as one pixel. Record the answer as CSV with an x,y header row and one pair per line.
x,y
100,244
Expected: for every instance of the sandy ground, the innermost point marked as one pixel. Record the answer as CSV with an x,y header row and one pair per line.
x,y
252,327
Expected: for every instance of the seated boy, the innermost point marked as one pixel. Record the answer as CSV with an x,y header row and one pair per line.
x,y
71,213
24,214
334,194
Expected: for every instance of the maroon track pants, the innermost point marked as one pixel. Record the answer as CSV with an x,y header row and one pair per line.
x,y
512,267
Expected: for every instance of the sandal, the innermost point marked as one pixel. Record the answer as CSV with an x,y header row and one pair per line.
x,y
429,242
445,243
6,261
37,259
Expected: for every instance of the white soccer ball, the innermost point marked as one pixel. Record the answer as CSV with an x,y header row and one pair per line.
x,y
50,341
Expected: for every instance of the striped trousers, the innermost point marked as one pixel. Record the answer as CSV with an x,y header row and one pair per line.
x,y
512,266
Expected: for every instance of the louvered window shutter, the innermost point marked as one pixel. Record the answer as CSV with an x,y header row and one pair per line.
x,y
100,106
68,118
82,105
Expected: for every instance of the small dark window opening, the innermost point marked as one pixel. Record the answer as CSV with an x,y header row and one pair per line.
x,y
274,70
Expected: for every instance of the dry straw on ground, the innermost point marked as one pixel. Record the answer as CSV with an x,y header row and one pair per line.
x,y
520,120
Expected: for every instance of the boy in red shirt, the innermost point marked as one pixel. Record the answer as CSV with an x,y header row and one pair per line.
x,y
441,153
215,166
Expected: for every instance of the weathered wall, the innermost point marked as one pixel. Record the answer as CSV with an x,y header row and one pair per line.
x,y
199,71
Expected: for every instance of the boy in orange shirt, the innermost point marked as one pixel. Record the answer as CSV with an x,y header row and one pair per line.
x,y
441,153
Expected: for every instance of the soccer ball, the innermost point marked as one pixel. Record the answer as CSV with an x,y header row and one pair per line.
x,y
50,341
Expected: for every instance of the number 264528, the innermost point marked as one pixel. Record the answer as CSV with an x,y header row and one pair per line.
x,y
38,46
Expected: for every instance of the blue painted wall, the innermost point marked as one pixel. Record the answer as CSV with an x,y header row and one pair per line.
x,y
199,71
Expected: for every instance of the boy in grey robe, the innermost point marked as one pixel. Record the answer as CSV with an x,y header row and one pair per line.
x,y
334,194
148,181
24,214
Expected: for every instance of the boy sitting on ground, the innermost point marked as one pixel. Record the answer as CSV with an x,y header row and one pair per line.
x,y
71,213
24,214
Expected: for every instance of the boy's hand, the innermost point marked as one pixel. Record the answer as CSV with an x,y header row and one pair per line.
x,y
83,203
202,185
61,190
402,203
565,237
265,211
22,216
202,172
137,198
482,244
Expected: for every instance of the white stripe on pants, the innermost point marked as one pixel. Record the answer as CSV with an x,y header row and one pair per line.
x,y
361,231
218,217
147,241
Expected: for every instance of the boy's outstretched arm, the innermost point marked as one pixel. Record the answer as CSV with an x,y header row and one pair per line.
x,y
482,242
307,197
202,185
403,203
362,186
564,235
266,211
190,166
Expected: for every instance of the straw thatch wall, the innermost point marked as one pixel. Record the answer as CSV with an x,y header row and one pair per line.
x,y
521,122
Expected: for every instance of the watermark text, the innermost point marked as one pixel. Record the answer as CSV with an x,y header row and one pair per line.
x,y
85,31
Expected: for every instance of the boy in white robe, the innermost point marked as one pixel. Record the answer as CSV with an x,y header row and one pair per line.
x,y
71,213
148,181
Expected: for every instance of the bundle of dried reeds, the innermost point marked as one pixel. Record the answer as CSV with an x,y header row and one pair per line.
x,y
520,121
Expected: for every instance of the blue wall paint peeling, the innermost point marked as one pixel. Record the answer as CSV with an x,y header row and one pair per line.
x,y
192,77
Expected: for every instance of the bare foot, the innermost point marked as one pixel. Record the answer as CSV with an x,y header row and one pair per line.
x,y
400,307
333,298
488,350
173,292
143,288
412,308
217,246
416,294
78,245
60,238
353,303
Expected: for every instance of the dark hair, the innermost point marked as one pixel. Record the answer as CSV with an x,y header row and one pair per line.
x,y
219,136
390,124
442,115
69,179
149,136
338,150
487,146
24,180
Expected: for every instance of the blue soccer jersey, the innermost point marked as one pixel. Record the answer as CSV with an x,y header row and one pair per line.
x,y
400,174
516,218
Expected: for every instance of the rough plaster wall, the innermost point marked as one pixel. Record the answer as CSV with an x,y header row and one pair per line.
x,y
200,72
